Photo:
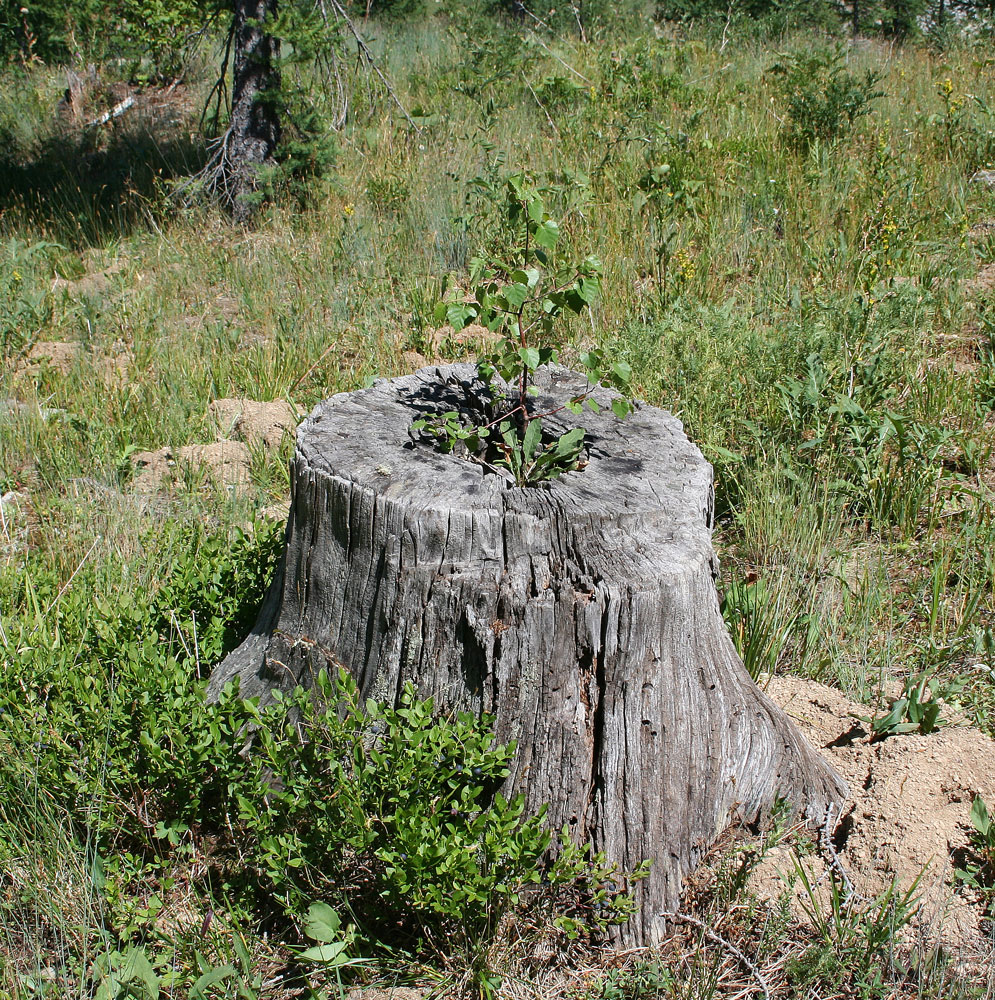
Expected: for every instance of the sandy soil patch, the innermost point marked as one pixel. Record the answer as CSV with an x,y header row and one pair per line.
x,y
911,798
62,358
982,283
226,462
253,422
96,284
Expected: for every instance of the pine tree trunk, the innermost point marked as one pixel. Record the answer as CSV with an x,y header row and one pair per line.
x,y
255,121
582,613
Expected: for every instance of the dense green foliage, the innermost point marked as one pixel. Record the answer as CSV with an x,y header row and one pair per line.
x,y
82,31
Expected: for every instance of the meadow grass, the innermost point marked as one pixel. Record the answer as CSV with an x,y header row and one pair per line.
x,y
805,307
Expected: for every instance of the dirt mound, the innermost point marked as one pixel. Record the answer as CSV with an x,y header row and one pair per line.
x,y
53,354
982,283
226,462
253,422
413,360
439,344
476,336
911,797
62,358
93,284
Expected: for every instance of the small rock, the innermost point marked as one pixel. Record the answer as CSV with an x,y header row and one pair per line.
x,y
985,177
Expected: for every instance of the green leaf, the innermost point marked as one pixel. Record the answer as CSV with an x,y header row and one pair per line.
x,y
211,978
979,816
930,714
516,186
515,295
322,923
887,723
529,357
458,314
589,289
571,442
536,209
621,408
547,234
623,372
137,966
532,440
573,299
328,954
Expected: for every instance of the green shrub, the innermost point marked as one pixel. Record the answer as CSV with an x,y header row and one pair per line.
x,y
823,98
103,707
396,813
81,31
754,17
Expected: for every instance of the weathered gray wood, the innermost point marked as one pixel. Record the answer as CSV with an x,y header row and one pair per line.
x,y
582,614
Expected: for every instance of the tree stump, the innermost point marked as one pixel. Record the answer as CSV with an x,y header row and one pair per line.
x,y
581,613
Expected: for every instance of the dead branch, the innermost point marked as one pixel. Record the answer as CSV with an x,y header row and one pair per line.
x,y
119,109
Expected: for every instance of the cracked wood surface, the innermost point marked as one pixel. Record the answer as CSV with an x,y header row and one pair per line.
x,y
581,613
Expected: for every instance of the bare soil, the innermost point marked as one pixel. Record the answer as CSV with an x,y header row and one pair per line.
x,y
226,462
253,422
62,357
911,798
982,283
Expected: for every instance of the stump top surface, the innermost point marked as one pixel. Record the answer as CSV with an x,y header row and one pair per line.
x,y
640,465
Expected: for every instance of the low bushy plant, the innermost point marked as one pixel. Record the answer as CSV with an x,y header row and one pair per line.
x,y
396,814
103,713
823,98
918,708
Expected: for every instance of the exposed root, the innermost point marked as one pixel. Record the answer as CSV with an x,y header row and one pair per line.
x,y
827,831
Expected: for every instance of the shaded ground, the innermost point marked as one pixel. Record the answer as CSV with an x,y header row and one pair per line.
x,y
88,180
